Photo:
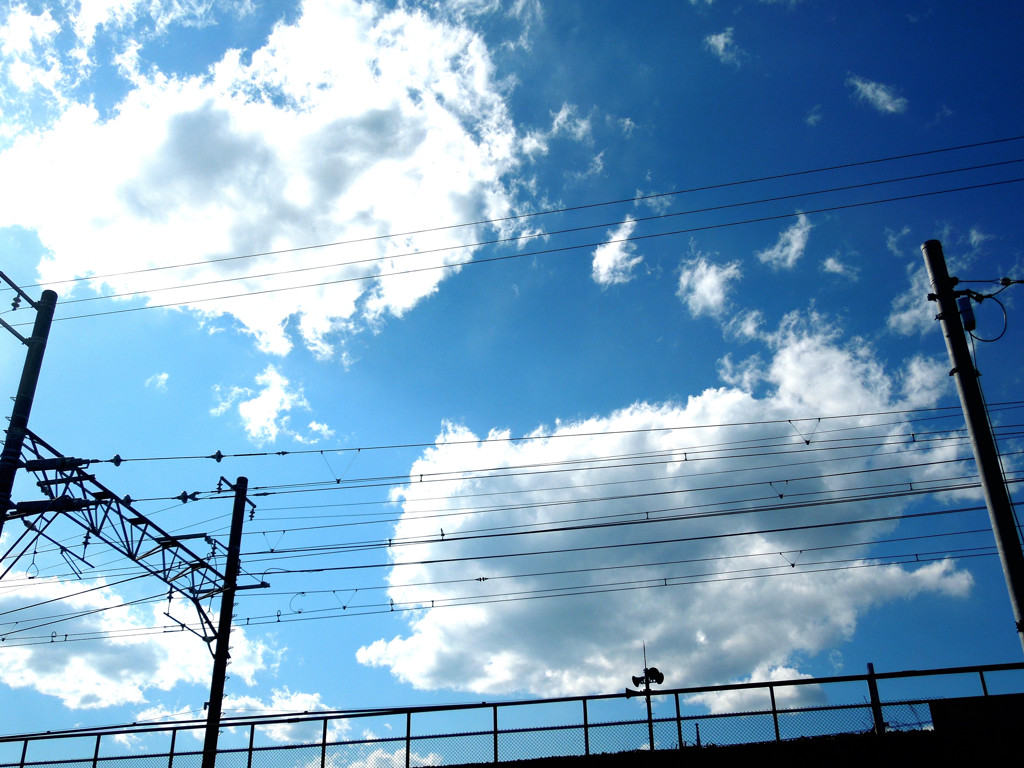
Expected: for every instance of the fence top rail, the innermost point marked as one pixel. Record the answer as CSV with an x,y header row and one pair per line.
x,y
301,717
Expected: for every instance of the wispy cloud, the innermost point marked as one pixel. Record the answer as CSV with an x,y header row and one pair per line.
x,y
615,260
882,97
724,47
835,266
789,247
158,381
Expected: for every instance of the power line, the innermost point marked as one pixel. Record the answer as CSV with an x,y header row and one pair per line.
x,y
531,236
218,456
550,211
546,251
622,545
563,592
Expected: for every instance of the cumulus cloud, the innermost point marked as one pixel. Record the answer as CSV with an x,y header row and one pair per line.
x,y
615,260
124,662
282,701
911,312
665,560
341,124
704,286
882,97
789,247
265,412
923,380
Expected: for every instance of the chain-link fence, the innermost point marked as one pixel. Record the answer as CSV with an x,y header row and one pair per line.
x,y
511,731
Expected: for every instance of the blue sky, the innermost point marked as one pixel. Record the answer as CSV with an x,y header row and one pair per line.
x,y
677,252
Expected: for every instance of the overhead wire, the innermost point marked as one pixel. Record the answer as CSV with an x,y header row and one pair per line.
x,y
556,210
934,413
525,254
563,592
520,238
672,456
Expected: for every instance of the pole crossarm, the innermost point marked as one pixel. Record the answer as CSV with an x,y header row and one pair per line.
x,y
78,496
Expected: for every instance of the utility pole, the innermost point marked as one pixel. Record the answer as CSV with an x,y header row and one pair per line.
x,y
997,498
650,675
227,607
10,459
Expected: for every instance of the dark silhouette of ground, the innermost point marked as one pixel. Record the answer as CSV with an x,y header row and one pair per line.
x,y
866,750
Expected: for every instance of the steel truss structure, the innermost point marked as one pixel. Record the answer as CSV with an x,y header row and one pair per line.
x,y
73,493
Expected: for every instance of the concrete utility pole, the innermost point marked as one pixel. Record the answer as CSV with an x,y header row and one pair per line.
x,y
10,459
997,498
227,607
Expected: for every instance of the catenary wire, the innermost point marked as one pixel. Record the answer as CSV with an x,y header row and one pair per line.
x,y
545,251
519,238
561,209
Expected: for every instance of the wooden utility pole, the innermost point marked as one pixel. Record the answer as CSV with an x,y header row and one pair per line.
x,y
997,498
227,607
10,459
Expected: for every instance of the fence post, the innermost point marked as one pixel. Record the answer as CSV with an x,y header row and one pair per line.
x,y
679,723
252,741
323,747
876,703
170,754
775,712
984,688
408,737
586,730
495,733
96,751
24,751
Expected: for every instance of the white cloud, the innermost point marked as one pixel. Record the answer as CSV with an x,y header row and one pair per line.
x,y
911,311
341,124
657,202
125,662
977,238
615,260
746,324
158,381
734,628
567,121
265,412
923,381
704,286
892,240
833,265
789,247
266,415
788,696
814,115
284,701
321,429
724,47
32,70
882,97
